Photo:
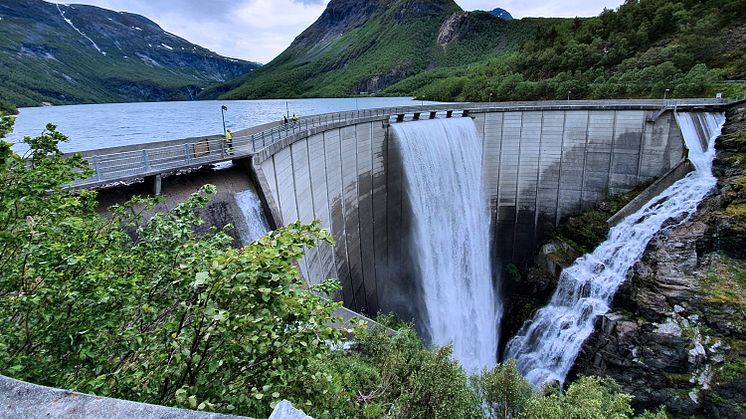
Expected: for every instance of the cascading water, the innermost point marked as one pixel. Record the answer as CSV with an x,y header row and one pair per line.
x,y
450,242
255,224
546,347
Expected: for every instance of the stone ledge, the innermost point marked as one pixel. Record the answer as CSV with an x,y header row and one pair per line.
x,y
19,399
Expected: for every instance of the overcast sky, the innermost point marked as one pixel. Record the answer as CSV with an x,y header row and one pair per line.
x,y
258,30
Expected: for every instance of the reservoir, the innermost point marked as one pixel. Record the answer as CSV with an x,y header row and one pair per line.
x,y
117,124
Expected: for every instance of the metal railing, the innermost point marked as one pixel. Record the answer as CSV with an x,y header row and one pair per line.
x,y
141,160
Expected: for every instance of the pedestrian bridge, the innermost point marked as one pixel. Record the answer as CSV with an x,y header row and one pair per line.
x,y
542,161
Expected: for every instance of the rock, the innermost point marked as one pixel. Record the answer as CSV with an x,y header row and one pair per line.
x,y
669,328
450,29
677,336
285,410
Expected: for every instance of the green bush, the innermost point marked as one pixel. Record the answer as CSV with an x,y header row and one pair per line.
x,y
7,108
171,317
502,392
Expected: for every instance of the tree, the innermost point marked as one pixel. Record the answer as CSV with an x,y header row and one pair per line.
x,y
587,398
502,391
170,316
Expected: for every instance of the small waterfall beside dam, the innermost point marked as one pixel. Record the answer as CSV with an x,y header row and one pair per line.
x,y
546,347
449,242
254,224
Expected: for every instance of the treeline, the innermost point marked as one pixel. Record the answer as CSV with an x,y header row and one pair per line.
x,y
151,311
646,48
7,108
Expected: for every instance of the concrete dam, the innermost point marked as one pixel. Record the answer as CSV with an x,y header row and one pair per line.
x,y
539,162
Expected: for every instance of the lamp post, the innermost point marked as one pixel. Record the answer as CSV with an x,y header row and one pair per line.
x,y
287,110
665,94
222,113
490,99
568,95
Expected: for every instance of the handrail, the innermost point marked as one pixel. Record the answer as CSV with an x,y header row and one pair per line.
x,y
153,158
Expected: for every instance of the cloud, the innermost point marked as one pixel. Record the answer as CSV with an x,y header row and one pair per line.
x,y
258,30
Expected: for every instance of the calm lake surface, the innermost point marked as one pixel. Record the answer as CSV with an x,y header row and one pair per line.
x,y
116,124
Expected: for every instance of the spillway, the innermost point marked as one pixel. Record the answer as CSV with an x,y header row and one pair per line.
x,y
450,243
546,347
254,223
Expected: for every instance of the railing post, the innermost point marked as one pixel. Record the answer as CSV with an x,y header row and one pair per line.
x,y
145,159
187,155
96,167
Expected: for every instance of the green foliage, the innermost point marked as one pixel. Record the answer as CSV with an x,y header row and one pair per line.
x,y
584,232
502,391
7,108
171,317
410,380
587,398
640,50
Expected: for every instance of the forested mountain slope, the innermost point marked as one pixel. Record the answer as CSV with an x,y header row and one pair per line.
x,y
639,50
81,54
361,46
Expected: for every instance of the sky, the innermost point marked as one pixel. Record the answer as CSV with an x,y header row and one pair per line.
x,y
258,30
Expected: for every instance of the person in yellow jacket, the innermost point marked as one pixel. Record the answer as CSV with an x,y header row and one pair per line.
x,y
228,142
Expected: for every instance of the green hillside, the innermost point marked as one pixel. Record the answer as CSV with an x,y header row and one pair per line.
x,y
363,46
434,50
639,50
82,54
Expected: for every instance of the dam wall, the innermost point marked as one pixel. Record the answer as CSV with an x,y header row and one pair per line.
x,y
340,175
543,165
540,165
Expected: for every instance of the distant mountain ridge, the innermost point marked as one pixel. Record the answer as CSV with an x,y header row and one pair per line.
x,y
79,54
501,13
366,46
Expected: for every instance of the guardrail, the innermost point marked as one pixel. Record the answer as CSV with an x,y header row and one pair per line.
x,y
120,163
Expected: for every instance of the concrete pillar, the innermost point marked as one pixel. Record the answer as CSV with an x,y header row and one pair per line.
x,y
433,114
449,114
154,184
416,116
400,117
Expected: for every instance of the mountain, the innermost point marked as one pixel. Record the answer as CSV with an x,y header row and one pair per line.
x,y
359,46
81,54
643,49
502,14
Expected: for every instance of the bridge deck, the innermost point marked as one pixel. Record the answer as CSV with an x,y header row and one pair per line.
x,y
136,161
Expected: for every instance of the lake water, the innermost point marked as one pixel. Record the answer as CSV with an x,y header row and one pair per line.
x,y
116,124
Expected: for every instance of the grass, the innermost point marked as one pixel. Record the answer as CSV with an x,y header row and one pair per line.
x,y
725,284
584,232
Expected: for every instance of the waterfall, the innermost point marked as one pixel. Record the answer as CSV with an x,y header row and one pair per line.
x,y
442,162
546,347
254,223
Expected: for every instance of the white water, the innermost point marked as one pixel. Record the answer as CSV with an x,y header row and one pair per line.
x,y
256,224
450,244
546,347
